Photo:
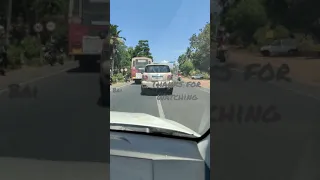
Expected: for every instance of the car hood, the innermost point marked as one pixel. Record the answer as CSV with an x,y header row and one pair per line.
x,y
142,119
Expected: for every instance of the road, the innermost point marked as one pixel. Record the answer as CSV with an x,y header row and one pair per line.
x,y
193,112
283,150
64,123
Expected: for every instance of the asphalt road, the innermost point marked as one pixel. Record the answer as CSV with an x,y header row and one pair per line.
x,y
64,123
192,112
284,150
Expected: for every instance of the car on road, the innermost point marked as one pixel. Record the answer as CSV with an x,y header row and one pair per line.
x,y
197,76
280,47
143,146
157,77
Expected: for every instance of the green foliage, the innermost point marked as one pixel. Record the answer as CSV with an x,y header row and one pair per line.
x,y
31,47
14,56
197,56
245,18
142,49
186,68
206,75
118,77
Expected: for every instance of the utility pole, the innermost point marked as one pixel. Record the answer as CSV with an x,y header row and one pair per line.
x,y
9,16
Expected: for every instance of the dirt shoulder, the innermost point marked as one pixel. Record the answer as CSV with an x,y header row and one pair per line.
x,y
203,83
302,69
28,73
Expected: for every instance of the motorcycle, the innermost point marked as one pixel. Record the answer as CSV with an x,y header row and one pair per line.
x,y
53,55
127,79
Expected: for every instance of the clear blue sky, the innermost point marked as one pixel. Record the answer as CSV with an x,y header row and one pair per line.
x,y
167,24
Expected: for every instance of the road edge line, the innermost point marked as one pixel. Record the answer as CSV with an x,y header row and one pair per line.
x,y
36,79
127,84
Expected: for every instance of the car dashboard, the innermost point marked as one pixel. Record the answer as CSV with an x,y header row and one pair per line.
x,y
137,157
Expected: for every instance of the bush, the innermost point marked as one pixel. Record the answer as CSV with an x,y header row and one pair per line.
x,y
14,57
186,68
206,75
32,47
118,78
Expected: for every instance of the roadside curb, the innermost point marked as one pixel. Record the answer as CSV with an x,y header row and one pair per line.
x,y
122,85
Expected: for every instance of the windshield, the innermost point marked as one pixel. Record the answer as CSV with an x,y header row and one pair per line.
x,y
141,63
94,12
157,69
173,49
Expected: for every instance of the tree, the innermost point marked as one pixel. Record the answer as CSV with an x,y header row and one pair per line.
x,y
115,40
186,67
143,49
197,55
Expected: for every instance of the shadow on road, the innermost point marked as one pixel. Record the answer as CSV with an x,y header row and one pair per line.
x,y
81,70
56,139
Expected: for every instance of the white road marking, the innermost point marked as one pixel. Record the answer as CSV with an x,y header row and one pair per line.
x,y
205,120
288,89
37,79
161,113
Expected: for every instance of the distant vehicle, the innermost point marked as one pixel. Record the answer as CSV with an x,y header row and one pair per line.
x,y
87,20
197,76
157,74
278,47
138,65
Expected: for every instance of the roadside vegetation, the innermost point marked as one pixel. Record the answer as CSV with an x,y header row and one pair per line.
x,y
25,44
122,54
196,59
253,23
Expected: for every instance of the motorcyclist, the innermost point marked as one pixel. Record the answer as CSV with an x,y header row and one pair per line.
x,y
53,52
3,51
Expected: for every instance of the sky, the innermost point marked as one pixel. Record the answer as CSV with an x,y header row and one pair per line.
x,y
166,24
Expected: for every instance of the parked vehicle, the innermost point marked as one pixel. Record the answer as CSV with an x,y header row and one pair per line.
x,y
280,47
197,76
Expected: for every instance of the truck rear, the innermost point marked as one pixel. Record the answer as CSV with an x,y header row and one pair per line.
x,y
87,20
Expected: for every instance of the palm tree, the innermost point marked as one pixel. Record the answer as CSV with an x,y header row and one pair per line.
x,y
115,40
